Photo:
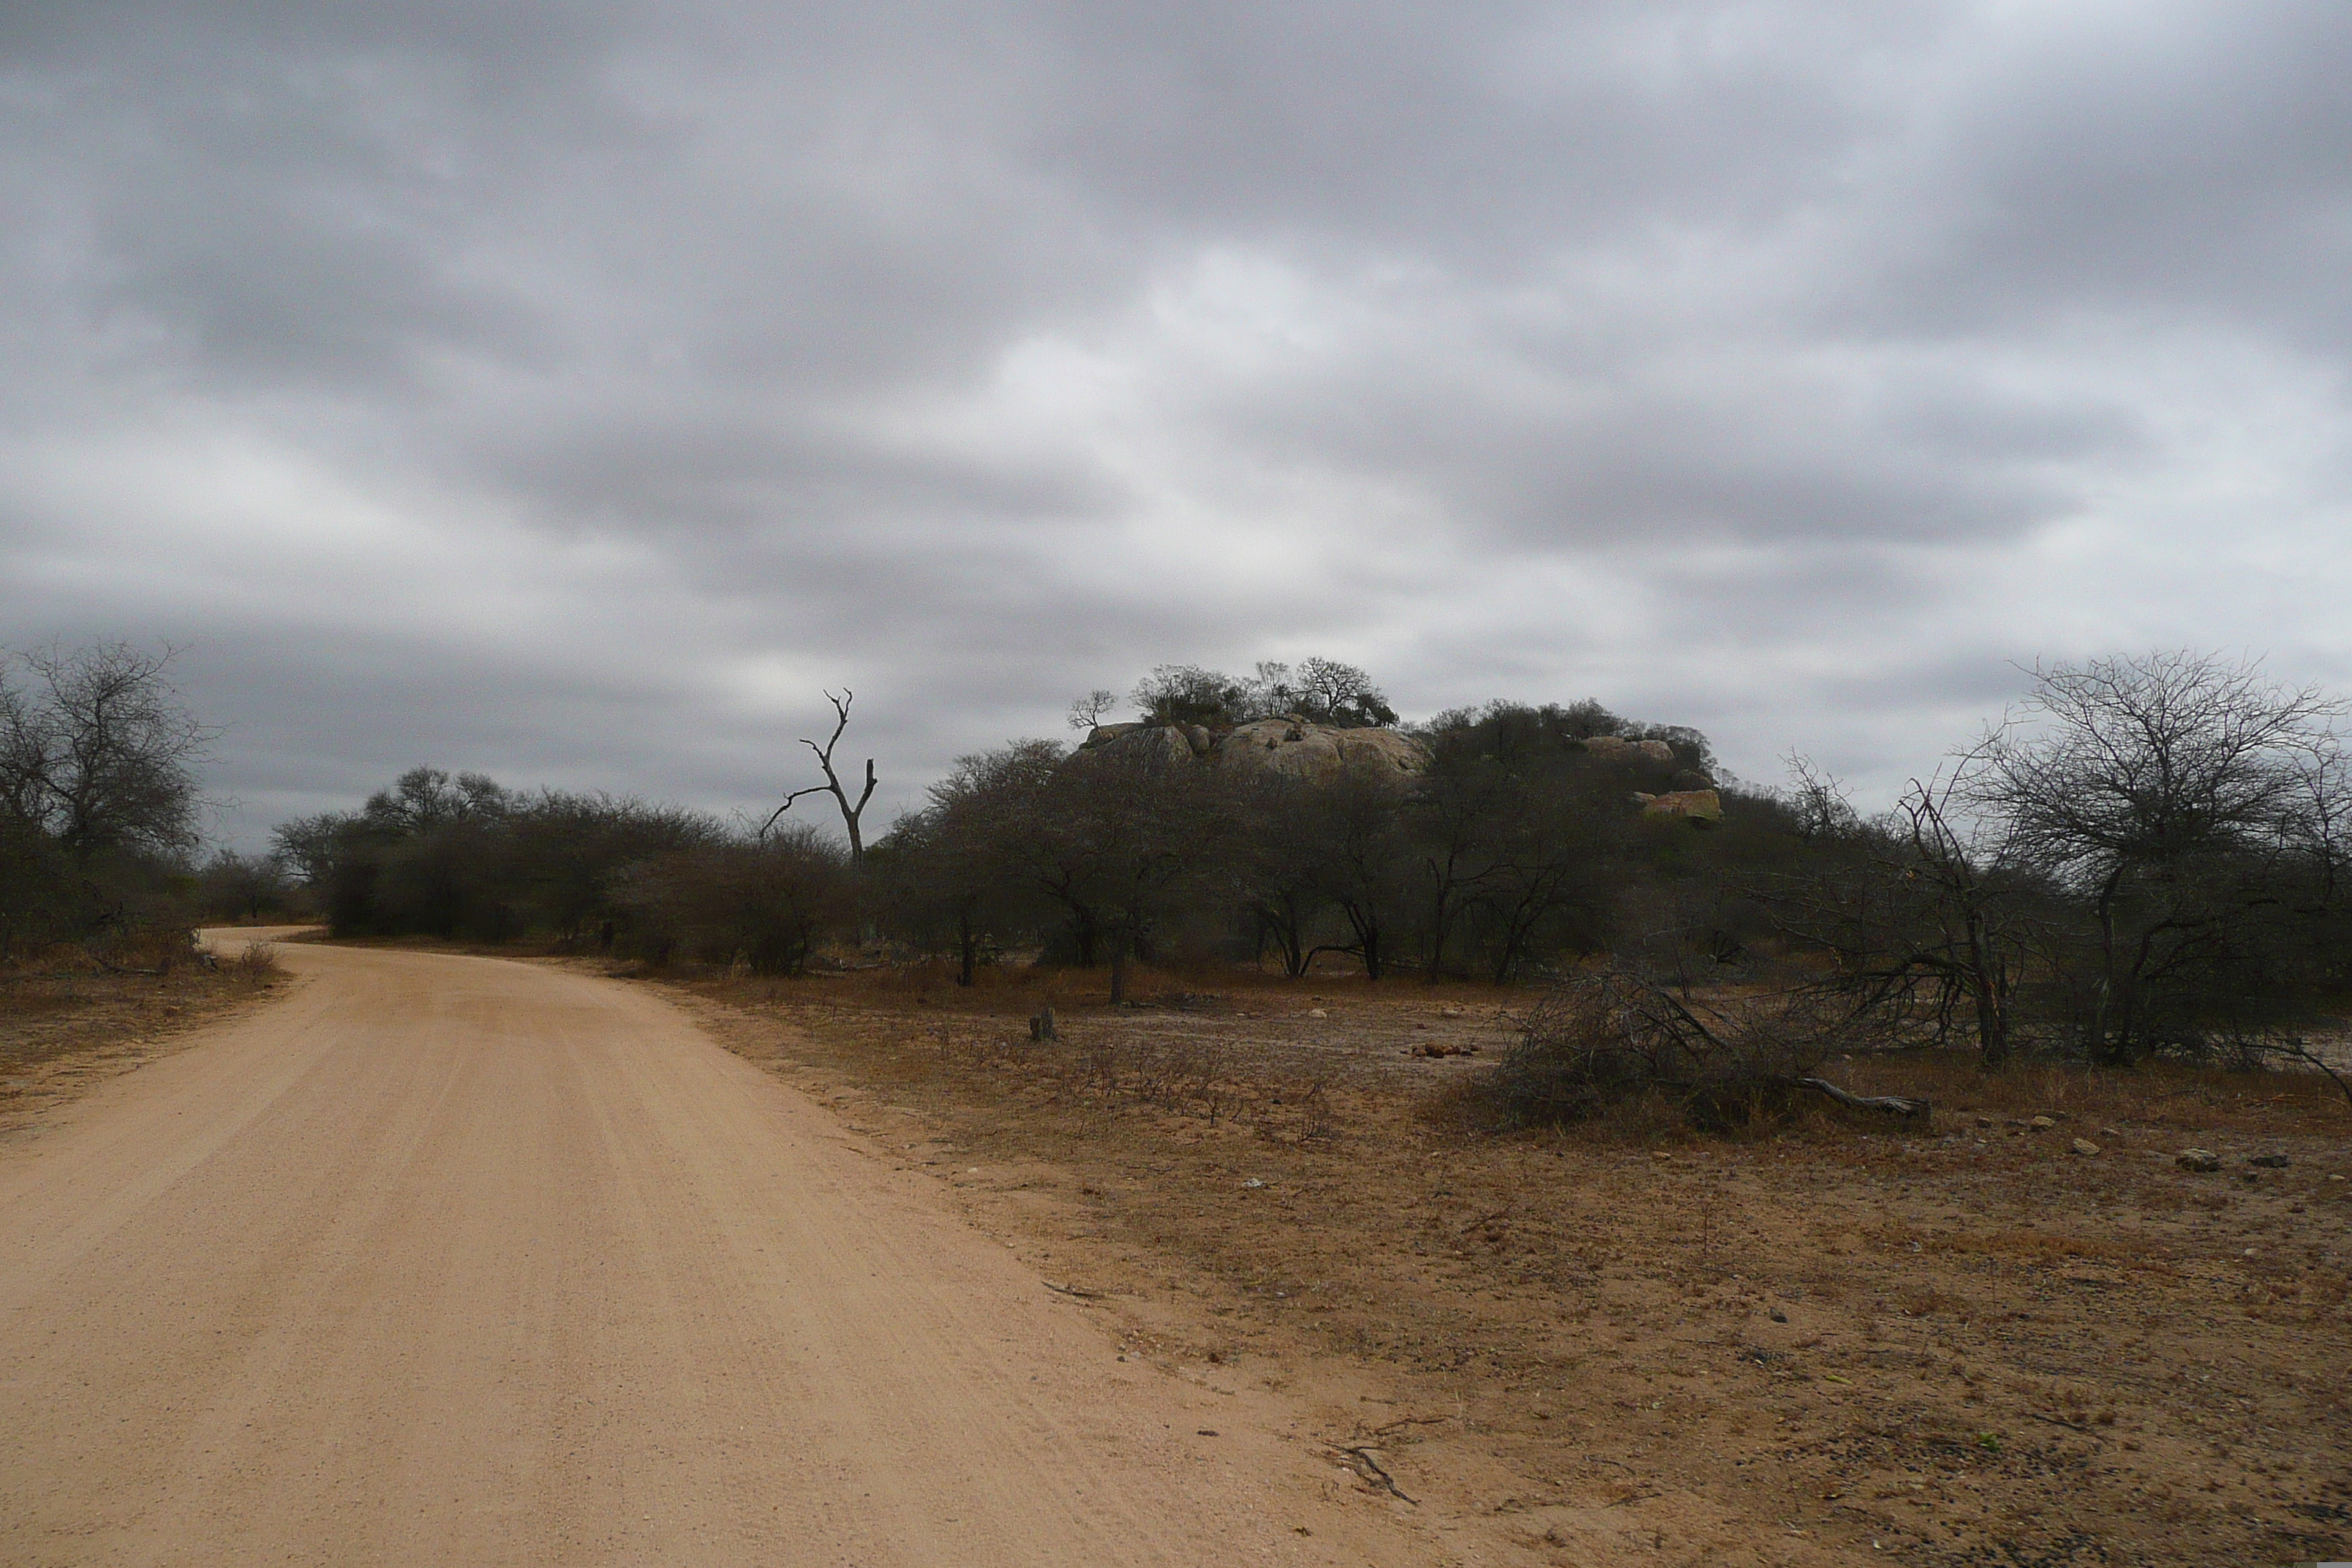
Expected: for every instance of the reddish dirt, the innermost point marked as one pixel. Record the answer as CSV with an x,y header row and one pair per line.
x,y
442,1259
67,1026
448,1261
1836,1344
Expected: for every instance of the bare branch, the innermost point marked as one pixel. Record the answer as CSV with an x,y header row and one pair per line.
x,y
778,812
850,815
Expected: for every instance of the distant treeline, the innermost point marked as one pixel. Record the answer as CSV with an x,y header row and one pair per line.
x,y
1518,846
2147,855
465,859
2147,858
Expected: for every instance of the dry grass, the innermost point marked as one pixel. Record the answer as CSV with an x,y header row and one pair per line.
x,y
2157,1094
68,1022
255,966
1828,1341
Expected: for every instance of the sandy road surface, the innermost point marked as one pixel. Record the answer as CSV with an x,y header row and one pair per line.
x,y
450,1260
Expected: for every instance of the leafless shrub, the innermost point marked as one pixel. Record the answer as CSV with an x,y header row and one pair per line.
x,y
1601,1044
1099,1064
257,965
1206,1084
1316,1116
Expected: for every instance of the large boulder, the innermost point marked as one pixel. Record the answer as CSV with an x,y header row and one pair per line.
x,y
1152,746
1617,749
1296,748
1699,807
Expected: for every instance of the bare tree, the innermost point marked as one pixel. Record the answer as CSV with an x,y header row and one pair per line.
x,y
833,786
959,865
1975,930
1123,841
2160,788
1087,711
1817,800
1339,693
1360,847
99,754
1926,908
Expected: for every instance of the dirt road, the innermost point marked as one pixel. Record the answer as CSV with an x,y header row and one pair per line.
x,y
451,1260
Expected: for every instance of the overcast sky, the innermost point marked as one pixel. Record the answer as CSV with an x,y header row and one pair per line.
x,y
572,391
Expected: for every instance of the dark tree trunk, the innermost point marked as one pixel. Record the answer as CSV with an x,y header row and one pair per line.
x,y
1438,920
2105,1049
1993,1022
1988,988
1281,924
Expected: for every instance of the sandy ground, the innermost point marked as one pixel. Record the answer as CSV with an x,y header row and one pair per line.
x,y
66,1027
453,1260
1966,1346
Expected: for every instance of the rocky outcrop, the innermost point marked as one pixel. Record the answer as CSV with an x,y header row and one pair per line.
x,y
1700,807
1291,746
1295,748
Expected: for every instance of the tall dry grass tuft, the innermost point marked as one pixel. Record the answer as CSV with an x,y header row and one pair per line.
x,y
257,966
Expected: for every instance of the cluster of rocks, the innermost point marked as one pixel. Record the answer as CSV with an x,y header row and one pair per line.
x,y
2205,1159
2017,1124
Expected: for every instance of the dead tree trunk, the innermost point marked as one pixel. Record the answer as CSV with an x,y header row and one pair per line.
x,y
832,785
1892,1104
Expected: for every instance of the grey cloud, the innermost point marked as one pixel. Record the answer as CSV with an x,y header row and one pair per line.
x,y
2180,159
1786,369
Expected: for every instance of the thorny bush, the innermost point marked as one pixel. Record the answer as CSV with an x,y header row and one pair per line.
x,y
1597,1042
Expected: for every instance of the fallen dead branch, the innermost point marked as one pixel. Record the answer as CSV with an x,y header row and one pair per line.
x,y
2305,1054
1373,1471
158,973
1893,1104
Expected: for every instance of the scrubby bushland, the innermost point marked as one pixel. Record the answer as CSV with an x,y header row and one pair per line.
x,y
234,885
1323,690
465,857
1519,848
2146,857
1100,858
764,903
2195,814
